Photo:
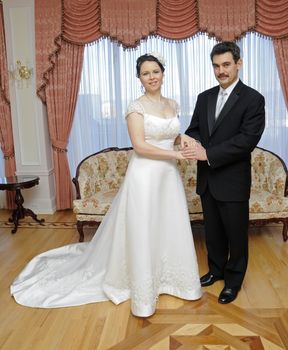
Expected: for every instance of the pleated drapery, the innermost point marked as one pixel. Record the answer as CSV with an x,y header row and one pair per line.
x,y
48,19
6,136
272,21
128,21
226,19
61,100
281,53
272,18
80,22
177,19
59,62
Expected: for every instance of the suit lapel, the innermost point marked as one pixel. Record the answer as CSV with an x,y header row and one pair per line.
x,y
233,98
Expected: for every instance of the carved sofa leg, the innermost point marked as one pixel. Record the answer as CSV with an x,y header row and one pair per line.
x,y
285,229
80,230
80,227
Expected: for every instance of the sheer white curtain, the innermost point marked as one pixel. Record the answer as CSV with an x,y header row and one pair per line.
x,y
109,83
260,72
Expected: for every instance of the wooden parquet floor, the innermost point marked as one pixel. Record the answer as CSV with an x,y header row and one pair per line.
x,y
205,324
256,320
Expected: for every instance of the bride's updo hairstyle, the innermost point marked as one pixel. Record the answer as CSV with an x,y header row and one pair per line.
x,y
151,58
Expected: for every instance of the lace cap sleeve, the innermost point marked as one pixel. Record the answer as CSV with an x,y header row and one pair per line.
x,y
135,107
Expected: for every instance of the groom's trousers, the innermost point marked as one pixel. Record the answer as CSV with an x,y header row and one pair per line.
x,y
226,234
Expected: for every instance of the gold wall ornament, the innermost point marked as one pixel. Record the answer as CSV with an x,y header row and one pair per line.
x,y
21,73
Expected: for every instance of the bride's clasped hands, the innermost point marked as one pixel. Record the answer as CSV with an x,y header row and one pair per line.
x,y
191,148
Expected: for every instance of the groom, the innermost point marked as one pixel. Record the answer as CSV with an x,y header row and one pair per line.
x,y
228,120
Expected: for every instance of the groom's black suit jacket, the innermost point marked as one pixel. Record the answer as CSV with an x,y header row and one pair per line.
x,y
228,142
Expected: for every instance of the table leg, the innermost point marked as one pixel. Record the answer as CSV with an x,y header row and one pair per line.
x,y
20,212
29,212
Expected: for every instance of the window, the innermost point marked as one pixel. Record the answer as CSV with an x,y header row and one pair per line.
x,y
109,83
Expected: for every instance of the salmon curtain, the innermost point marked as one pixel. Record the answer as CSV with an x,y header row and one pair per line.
x,y
281,53
6,136
61,101
226,19
64,27
127,21
81,21
47,41
272,18
59,62
177,19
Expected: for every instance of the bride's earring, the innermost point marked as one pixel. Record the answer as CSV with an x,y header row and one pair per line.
x,y
142,89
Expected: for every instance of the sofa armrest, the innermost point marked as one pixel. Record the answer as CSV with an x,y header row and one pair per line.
x,y
86,180
101,171
269,172
277,178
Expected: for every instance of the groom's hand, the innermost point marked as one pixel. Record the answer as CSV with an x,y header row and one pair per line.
x,y
186,141
195,151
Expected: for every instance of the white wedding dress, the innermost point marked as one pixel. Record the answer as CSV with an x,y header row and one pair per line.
x,y
143,248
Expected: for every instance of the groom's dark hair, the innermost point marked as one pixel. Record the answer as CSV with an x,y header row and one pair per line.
x,y
226,46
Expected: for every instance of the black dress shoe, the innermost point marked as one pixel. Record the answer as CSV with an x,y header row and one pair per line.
x,y
227,295
209,279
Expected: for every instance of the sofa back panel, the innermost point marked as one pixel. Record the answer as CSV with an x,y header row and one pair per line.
x,y
103,172
188,172
267,172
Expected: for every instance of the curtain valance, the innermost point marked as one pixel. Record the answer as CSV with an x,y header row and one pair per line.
x,y
128,21
81,21
48,20
177,19
226,19
272,18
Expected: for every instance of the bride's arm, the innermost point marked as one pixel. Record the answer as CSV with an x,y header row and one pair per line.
x,y
135,124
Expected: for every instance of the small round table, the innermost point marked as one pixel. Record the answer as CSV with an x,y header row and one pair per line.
x,y
17,183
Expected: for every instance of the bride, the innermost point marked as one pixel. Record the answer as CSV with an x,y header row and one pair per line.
x,y
144,246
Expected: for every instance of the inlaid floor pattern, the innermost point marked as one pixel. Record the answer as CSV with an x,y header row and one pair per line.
x,y
27,223
207,325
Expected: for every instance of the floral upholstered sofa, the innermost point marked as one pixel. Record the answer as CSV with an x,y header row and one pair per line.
x,y
98,178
